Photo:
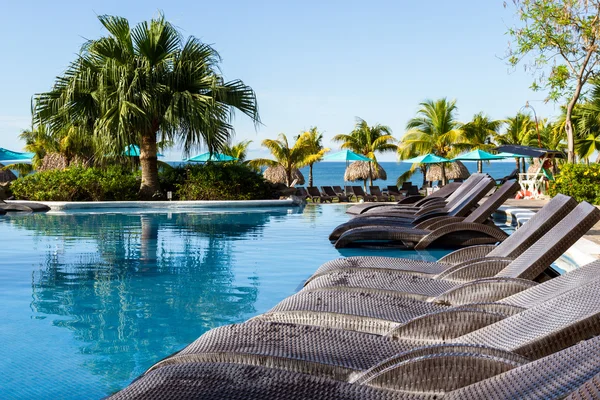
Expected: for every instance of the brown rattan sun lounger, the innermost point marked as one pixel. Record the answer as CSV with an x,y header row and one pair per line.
x,y
328,190
434,232
22,206
360,194
548,216
375,191
551,377
532,334
458,207
314,194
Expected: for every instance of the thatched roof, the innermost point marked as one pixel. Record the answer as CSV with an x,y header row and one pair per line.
x,y
454,170
6,175
359,171
277,175
58,161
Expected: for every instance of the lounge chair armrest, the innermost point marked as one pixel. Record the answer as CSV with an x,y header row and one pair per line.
x,y
431,207
462,366
438,222
410,199
507,309
467,253
483,290
444,325
492,232
432,214
425,201
477,270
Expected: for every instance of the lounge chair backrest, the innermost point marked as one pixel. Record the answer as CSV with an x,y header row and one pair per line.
x,y
549,289
543,329
538,379
328,190
553,244
375,190
313,191
484,211
532,230
412,191
358,190
338,189
302,191
465,187
349,190
447,190
405,185
470,198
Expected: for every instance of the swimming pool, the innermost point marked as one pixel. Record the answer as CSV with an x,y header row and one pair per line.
x,y
89,300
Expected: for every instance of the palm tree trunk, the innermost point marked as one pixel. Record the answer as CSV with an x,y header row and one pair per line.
x,y
150,186
518,164
310,175
288,177
424,172
523,166
443,169
479,166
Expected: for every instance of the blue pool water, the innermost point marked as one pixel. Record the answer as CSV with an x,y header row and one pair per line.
x,y
89,301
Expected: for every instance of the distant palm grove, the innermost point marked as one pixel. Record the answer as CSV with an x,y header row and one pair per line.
x,y
150,87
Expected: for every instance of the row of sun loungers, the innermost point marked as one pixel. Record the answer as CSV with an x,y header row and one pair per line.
x,y
484,322
329,193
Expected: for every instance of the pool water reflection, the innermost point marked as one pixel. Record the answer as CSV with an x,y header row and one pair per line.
x,y
90,300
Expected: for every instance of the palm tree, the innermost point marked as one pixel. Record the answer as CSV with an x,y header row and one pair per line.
x,y
519,130
238,150
39,142
314,140
479,133
142,84
290,158
587,125
435,130
368,140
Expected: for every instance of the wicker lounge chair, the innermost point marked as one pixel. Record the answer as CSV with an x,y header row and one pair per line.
x,y
22,206
360,194
337,355
576,366
376,192
340,192
458,207
548,216
328,190
434,232
314,194
374,309
393,191
302,193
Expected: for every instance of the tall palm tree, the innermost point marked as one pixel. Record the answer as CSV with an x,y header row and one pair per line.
x,y
435,130
519,130
290,158
587,125
142,84
238,150
368,140
479,133
314,140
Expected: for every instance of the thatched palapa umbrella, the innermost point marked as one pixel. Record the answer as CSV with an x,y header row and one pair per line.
x,y
277,175
454,170
363,170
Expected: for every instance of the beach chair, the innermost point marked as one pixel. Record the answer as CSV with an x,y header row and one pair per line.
x,y
314,194
360,193
458,207
302,193
341,192
542,221
375,191
512,176
433,232
551,332
328,191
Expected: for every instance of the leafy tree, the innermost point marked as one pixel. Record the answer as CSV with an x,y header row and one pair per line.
x,y
479,133
238,150
519,130
290,158
314,140
588,125
435,130
560,37
142,84
368,140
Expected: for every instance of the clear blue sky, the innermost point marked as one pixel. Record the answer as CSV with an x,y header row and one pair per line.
x,y
311,63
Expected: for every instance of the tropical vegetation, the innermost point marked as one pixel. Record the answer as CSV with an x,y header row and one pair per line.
x,y
144,84
313,139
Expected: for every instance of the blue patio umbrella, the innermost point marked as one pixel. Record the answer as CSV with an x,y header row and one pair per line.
x,y
133,150
478,155
214,157
427,159
345,155
14,156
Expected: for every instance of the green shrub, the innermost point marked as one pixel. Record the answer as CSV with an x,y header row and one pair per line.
x,y
78,184
579,181
218,181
